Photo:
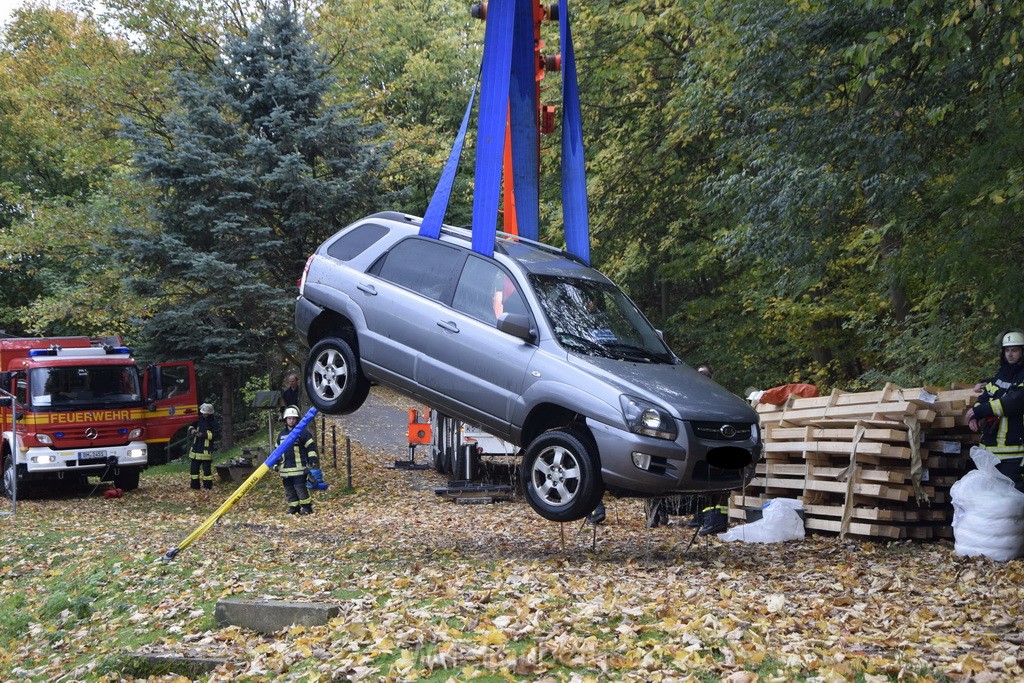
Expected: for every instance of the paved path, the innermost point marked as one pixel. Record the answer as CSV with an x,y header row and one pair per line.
x,y
381,424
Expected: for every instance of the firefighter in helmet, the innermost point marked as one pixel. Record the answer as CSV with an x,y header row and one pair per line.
x,y
999,412
294,463
203,434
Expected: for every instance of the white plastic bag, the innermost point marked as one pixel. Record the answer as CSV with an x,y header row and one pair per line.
x,y
779,522
988,512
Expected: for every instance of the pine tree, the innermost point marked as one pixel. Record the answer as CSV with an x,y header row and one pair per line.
x,y
254,169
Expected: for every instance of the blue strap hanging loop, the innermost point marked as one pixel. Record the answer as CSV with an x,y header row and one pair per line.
x,y
508,88
574,175
434,216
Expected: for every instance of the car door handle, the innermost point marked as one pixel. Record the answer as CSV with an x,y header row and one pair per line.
x,y
448,325
369,289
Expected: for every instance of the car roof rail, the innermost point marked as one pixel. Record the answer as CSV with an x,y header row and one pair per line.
x,y
397,216
466,232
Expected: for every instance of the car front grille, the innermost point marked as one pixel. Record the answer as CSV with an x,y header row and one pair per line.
x,y
722,431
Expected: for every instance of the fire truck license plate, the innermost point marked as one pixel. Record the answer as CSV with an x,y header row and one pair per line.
x,y
92,455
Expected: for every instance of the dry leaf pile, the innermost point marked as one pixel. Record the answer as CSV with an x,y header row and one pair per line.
x,y
432,590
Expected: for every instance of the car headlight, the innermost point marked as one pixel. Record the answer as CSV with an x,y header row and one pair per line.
x,y
643,417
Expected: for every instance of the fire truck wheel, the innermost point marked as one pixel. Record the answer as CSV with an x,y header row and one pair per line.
x,y
127,479
9,481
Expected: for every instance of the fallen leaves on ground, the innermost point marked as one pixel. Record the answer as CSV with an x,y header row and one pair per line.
x,y
433,590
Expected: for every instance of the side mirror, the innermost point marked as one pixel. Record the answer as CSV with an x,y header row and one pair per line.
x,y
517,325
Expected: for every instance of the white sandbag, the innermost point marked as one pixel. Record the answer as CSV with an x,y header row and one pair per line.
x,y
779,522
988,512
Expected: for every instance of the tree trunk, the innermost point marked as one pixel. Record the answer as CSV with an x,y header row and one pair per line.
x,y
890,248
227,427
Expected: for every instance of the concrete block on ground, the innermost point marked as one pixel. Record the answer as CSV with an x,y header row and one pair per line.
x,y
270,616
161,663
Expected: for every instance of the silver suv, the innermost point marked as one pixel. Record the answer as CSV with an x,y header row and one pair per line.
x,y
533,346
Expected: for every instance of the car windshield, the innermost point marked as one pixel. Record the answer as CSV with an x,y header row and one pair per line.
x,y
75,388
597,319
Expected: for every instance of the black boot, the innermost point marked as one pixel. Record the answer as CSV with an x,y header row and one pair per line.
x,y
698,520
715,521
306,509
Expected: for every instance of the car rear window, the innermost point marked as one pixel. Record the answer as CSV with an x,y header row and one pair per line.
x,y
355,241
422,265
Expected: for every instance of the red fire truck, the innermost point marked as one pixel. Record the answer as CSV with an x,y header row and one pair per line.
x,y
85,409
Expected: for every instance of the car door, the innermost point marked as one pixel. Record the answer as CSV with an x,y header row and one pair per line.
x,y
477,368
401,293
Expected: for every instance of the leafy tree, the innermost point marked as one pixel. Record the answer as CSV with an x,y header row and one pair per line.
x,y
60,163
411,66
254,171
802,167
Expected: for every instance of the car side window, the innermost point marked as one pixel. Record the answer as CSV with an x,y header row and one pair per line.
x,y
422,265
355,241
486,292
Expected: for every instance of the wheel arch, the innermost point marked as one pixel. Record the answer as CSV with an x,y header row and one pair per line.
x,y
547,416
332,324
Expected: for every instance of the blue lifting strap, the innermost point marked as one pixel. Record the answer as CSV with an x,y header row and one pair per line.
x,y
574,178
434,217
490,140
508,88
523,118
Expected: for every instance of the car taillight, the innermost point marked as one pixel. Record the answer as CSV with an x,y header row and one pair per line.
x,y
305,272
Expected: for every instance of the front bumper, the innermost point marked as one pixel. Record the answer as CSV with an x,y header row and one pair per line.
x,y
680,466
40,460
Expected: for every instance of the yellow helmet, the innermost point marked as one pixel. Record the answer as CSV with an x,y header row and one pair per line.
x,y
290,411
1013,338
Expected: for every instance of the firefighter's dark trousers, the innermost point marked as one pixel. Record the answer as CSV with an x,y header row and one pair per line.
x,y
204,462
296,493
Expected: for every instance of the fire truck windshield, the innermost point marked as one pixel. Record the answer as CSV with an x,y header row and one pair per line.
x,y
79,387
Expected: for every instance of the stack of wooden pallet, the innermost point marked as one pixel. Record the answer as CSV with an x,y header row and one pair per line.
x,y
873,464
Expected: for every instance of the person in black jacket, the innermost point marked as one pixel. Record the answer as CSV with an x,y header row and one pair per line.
x,y
291,395
293,463
203,434
999,411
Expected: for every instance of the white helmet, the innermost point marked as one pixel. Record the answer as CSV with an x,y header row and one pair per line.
x,y
290,411
1013,338
206,409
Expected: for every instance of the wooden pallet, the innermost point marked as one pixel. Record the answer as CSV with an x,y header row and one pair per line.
x,y
810,454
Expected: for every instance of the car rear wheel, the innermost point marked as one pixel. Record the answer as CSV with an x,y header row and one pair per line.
x,y
561,478
334,382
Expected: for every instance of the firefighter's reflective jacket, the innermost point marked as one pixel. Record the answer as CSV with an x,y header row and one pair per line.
x,y
1000,409
207,431
295,460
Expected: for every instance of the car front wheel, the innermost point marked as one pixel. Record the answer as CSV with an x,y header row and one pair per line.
x,y
334,382
561,477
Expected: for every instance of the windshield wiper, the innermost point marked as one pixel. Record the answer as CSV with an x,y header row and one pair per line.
x,y
633,353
